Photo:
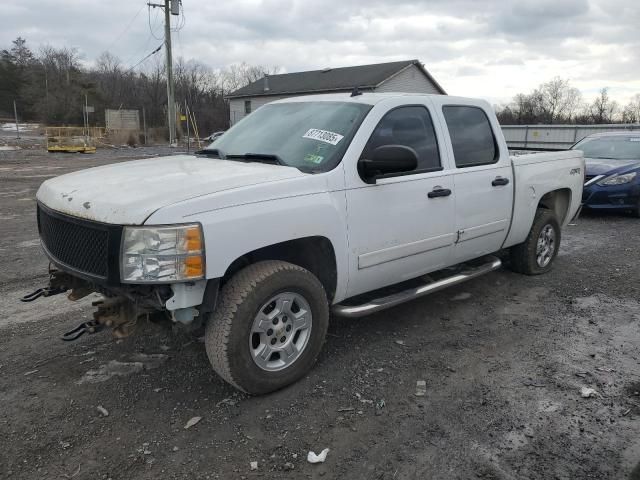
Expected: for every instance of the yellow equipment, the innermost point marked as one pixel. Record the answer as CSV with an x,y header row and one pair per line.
x,y
73,139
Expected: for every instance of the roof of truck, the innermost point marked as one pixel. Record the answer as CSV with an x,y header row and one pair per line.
x,y
366,97
369,98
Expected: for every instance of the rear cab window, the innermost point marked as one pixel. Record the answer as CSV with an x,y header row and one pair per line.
x,y
471,136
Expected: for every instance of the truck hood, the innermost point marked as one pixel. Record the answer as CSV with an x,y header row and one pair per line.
x,y
127,193
605,166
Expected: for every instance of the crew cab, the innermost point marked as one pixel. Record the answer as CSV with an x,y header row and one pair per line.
x,y
344,203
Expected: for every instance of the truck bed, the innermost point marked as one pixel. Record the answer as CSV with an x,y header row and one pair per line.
x,y
536,174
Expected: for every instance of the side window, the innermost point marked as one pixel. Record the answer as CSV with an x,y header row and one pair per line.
x,y
411,127
471,136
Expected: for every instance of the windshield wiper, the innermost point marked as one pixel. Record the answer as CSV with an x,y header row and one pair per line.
x,y
212,152
258,157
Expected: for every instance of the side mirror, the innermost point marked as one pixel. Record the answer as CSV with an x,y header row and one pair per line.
x,y
388,159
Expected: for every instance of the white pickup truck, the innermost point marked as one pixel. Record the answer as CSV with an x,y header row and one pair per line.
x,y
341,203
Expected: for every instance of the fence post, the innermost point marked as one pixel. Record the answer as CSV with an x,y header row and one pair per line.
x,y
15,113
144,126
186,111
526,136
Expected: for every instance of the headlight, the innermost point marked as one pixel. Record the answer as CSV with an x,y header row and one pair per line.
x,y
162,254
618,179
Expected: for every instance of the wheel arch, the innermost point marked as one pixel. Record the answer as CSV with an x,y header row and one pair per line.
x,y
315,253
558,201
528,201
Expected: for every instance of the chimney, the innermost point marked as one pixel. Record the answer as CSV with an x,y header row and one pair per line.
x,y
266,83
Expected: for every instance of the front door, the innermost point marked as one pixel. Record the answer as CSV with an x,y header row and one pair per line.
x,y
403,225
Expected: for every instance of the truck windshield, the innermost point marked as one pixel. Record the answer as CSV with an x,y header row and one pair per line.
x,y
311,136
618,147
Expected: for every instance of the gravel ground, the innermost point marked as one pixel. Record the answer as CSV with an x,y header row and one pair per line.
x,y
504,359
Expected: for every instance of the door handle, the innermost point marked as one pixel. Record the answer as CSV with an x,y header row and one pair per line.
x,y
498,181
439,192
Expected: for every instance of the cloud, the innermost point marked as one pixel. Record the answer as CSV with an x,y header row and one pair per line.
x,y
469,71
492,49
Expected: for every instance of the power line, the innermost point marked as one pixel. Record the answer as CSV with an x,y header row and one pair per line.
x,y
152,53
139,51
149,21
125,29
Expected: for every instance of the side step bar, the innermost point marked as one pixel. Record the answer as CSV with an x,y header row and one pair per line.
x,y
389,301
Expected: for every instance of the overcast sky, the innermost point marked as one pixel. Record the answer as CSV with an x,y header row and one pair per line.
x,y
491,48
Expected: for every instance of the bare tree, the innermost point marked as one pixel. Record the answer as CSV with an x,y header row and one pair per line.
x,y
557,100
603,109
631,111
238,75
50,86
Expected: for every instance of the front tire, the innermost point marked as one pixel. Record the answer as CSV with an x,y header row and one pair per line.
x,y
268,327
536,254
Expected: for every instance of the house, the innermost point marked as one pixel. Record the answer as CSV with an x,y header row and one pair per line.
x,y
406,76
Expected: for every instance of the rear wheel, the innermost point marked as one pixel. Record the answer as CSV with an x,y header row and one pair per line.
x,y
537,253
268,327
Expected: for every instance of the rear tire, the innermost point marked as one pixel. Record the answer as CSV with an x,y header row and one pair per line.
x,y
536,254
268,327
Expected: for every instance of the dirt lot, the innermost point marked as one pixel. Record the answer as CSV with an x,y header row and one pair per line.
x,y
504,358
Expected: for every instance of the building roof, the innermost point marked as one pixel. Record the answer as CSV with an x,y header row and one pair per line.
x,y
330,80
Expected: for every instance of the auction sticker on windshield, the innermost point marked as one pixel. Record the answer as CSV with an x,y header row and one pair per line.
x,y
323,136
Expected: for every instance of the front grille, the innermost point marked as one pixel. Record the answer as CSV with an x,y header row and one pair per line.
x,y
75,243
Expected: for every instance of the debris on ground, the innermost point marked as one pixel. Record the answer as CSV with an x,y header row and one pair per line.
x,y
254,465
400,342
587,392
103,411
421,388
380,404
227,401
363,400
115,368
320,458
74,474
26,374
530,383
461,296
346,409
192,421
605,369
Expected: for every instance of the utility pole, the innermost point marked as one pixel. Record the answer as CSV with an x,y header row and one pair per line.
x,y
171,7
171,104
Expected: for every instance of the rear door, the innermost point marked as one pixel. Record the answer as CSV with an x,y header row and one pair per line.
x,y
398,227
483,180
